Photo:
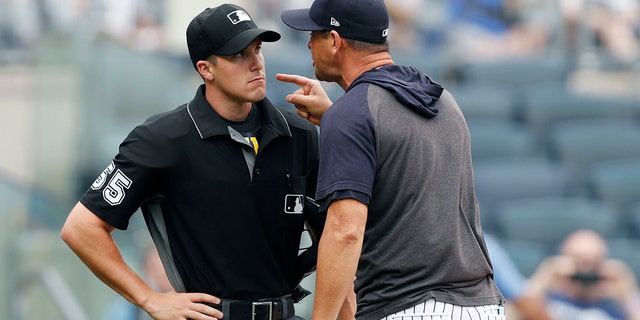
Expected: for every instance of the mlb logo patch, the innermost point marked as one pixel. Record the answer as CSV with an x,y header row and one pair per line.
x,y
293,203
238,16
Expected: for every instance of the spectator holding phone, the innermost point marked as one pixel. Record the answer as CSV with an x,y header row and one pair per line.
x,y
582,282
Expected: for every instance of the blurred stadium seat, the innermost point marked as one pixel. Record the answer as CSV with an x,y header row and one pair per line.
x,y
616,181
498,180
548,220
526,255
513,73
484,101
500,138
541,109
634,219
582,143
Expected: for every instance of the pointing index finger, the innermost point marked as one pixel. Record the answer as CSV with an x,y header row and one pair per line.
x,y
292,78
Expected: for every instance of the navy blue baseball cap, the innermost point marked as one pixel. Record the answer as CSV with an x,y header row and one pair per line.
x,y
363,20
224,30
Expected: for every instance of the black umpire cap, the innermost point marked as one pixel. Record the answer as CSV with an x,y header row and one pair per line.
x,y
223,30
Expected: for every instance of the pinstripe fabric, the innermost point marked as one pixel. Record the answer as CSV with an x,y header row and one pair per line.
x,y
436,310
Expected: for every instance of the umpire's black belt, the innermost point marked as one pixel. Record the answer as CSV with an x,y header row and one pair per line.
x,y
263,309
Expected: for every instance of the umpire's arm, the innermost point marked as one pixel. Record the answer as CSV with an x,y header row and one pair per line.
x,y
90,238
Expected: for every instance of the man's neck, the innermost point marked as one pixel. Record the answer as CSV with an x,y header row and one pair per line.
x,y
357,64
228,109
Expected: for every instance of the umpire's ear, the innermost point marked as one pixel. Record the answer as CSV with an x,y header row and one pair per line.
x,y
205,69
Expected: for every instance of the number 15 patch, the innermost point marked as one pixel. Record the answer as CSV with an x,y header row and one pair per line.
x,y
293,203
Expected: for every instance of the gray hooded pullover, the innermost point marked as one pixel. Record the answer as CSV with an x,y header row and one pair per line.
x,y
399,143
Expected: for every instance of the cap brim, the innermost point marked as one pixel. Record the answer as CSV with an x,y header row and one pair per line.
x,y
299,19
244,38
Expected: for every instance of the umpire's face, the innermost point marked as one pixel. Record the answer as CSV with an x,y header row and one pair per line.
x,y
240,77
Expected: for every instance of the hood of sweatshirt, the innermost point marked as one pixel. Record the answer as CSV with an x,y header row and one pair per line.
x,y
408,85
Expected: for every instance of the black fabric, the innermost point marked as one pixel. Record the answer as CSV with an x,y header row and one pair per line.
x,y
223,30
200,215
265,309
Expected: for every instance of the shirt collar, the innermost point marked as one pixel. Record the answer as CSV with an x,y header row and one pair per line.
x,y
209,123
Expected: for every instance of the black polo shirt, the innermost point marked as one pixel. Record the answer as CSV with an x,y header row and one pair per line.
x,y
220,229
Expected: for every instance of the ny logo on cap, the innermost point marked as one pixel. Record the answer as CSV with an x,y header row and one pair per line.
x,y
238,16
334,22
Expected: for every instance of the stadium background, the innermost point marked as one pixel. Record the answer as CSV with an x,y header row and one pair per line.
x,y
556,132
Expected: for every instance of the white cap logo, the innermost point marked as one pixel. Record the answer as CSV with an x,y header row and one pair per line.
x,y
334,22
385,32
238,16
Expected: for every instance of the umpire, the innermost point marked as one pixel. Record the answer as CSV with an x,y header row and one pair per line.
x,y
222,182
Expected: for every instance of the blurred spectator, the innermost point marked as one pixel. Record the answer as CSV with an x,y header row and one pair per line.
x,y
135,23
147,34
23,22
119,18
494,29
266,13
583,283
403,24
612,23
153,272
512,284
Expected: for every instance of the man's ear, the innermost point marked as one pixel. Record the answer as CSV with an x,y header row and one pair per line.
x,y
205,68
337,41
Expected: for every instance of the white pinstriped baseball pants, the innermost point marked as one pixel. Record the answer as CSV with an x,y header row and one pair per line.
x,y
436,310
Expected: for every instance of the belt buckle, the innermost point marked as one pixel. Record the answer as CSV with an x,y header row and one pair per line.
x,y
262,303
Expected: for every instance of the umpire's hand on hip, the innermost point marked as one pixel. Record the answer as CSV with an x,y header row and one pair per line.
x,y
182,306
